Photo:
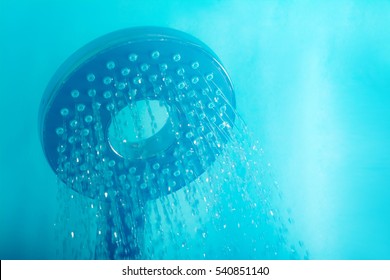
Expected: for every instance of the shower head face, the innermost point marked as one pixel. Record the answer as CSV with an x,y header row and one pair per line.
x,y
144,110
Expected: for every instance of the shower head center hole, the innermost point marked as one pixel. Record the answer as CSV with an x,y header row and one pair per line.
x,y
141,129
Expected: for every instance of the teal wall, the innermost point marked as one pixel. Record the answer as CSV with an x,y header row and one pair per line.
x,y
312,82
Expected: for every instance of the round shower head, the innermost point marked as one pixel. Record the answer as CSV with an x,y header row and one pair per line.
x,y
143,110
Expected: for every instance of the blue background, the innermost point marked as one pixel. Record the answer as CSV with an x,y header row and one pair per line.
x,y
312,81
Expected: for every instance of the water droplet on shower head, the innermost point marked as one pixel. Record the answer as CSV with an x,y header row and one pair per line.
x,y
133,57
90,77
110,65
64,112
176,57
75,93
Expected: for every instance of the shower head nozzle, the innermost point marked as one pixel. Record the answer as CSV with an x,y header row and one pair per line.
x,y
143,110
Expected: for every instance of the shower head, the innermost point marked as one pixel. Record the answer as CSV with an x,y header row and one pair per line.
x,y
144,110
